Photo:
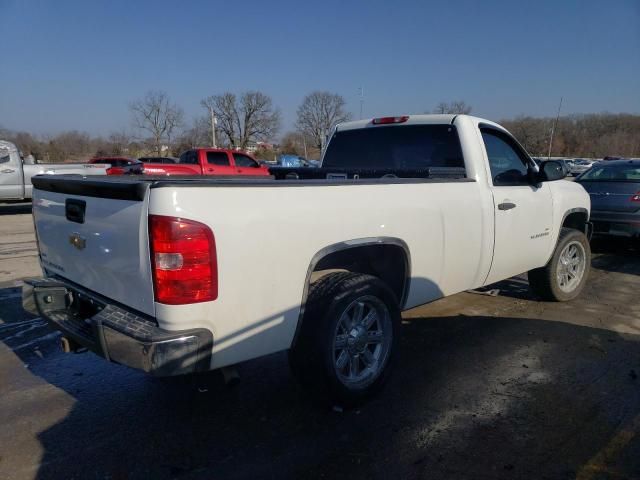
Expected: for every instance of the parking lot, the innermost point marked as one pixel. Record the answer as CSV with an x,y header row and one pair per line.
x,y
490,385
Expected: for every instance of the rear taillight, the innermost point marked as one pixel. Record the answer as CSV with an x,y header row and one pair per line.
x,y
636,197
386,120
183,260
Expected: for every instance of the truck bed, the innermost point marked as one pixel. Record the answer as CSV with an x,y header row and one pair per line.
x,y
134,187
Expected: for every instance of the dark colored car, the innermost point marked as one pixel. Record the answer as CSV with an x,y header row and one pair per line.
x,y
614,188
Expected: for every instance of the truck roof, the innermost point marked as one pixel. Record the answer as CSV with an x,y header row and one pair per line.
x,y
424,119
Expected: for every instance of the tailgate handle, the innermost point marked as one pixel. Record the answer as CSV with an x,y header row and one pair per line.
x,y
74,210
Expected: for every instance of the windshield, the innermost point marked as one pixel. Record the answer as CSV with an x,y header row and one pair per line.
x,y
401,147
612,173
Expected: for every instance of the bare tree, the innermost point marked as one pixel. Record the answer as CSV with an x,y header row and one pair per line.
x,y
69,146
197,135
319,112
249,118
590,135
119,142
455,107
158,117
297,143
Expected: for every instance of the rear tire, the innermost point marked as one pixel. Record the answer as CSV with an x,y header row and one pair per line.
x,y
564,277
347,342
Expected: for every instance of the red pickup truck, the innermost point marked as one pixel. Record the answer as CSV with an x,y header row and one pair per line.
x,y
207,161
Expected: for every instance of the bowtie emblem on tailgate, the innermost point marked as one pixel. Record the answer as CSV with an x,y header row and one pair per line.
x,y
77,241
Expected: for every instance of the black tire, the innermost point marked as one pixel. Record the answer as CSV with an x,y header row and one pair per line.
x,y
314,358
544,281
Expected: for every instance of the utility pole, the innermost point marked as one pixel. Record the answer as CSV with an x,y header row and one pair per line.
x,y
361,100
213,128
553,129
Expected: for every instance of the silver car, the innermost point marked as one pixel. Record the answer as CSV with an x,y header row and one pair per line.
x,y
579,166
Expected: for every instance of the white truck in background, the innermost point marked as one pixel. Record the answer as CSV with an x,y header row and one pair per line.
x,y
15,173
175,275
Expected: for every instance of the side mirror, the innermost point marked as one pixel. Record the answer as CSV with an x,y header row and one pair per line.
x,y
552,170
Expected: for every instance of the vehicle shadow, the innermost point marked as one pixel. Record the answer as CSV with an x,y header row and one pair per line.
x,y
616,254
471,397
611,254
15,208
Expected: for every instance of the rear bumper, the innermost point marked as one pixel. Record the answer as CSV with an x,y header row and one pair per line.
x,y
119,335
615,223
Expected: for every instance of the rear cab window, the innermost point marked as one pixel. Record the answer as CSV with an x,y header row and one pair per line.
x,y
4,156
218,158
396,147
190,157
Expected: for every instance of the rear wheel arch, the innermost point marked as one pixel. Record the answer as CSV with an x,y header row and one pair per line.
x,y
341,355
387,258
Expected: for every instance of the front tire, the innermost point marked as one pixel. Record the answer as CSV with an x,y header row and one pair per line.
x,y
348,338
564,277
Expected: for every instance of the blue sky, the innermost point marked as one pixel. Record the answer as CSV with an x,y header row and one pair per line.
x,y
77,64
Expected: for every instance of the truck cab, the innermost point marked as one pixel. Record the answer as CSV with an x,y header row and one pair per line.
x,y
16,173
209,161
11,174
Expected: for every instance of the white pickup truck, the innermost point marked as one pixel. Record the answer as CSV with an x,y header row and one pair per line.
x,y
15,174
178,275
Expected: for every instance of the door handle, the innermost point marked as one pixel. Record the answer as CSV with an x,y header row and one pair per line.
x,y
506,206
8,170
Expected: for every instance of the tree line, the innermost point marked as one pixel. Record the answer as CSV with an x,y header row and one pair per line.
x,y
159,127
593,135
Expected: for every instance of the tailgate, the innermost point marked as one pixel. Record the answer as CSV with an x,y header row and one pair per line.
x,y
94,233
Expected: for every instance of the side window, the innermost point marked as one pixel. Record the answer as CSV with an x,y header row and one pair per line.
x,y
507,163
4,156
218,158
190,157
244,161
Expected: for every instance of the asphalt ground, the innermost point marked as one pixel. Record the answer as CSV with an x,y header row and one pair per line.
x,y
487,387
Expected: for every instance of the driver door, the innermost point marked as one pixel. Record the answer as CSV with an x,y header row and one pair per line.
x,y
523,213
